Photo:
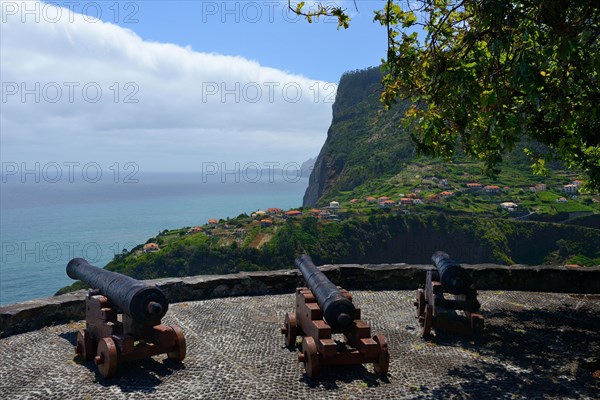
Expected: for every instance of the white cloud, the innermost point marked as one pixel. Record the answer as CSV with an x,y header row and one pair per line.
x,y
161,105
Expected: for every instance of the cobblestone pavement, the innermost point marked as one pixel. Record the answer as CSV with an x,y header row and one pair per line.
x,y
535,345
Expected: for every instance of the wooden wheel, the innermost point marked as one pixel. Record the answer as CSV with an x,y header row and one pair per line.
x,y
477,325
420,302
383,365
428,320
311,356
106,357
84,345
290,329
179,349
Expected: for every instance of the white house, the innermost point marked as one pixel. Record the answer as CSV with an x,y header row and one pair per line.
x,y
509,206
571,188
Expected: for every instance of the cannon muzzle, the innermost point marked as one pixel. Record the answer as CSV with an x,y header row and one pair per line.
x,y
142,302
339,312
455,279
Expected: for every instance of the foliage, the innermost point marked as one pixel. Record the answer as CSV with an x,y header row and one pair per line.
x,y
484,74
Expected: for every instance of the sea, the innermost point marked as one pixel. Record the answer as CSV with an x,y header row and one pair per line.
x,y
44,223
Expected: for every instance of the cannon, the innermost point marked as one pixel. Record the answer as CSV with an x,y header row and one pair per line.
x,y
323,309
138,334
435,311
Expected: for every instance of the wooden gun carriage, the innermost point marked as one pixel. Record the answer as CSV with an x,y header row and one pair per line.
x,y
138,334
437,312
323,309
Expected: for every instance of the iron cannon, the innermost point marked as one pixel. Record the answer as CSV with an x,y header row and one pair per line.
x,y
139,334
338,310
323,309
144,303
435,311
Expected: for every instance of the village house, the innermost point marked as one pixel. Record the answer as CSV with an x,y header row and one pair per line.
x,y
213,222
405,201
195,229
293,214
571,189
273,210
433,197
446,193
239,232
150,247
354,201
324,214
474,185
491,189
371,199
334,204
540,187
387,203
509,206
265,223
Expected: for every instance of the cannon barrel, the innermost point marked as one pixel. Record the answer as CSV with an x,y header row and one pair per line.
x,y
144,303
455,279
339,312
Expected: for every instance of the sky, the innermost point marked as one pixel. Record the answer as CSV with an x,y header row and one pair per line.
x,y
171,85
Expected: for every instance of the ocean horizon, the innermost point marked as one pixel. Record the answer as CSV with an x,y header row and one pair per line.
x,y
45,224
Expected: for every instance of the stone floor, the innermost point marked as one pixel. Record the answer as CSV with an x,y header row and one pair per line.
x,y
535,345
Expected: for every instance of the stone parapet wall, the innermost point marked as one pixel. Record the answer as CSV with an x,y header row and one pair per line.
x,y
35,314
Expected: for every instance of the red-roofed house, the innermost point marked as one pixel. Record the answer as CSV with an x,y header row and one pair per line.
x,y
446,193
371,199
265,223
150,247
213,222
491,189
195,229
293,213
474,185
387,203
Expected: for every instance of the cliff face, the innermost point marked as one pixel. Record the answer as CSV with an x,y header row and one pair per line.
x,y
322,176
363,140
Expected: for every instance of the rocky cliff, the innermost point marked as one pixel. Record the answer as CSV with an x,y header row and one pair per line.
x,y
363,140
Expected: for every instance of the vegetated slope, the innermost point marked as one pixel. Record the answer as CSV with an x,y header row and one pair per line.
x,y
363,141
366,142
384,237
